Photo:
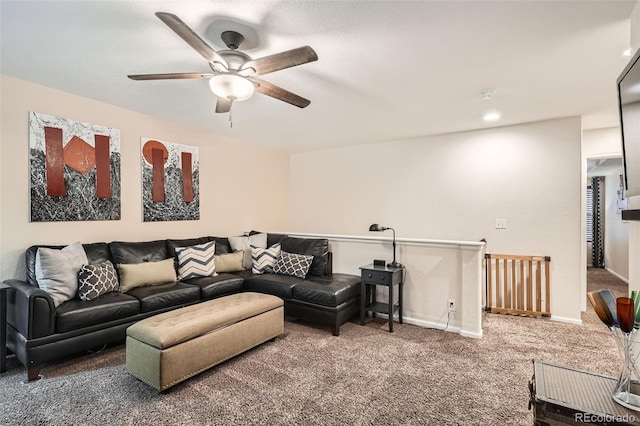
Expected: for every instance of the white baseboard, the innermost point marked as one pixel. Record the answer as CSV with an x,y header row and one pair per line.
x,y
568,320
436,326
626,280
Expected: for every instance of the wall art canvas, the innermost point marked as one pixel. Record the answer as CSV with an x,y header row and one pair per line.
x,y
74,170
170,181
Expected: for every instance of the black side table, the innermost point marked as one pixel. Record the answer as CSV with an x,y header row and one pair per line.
x,y
372,276
4,289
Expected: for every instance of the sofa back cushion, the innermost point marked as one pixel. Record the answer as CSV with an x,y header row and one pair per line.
x,y
96,253
271,237
138,252
316,247
222,245
185,242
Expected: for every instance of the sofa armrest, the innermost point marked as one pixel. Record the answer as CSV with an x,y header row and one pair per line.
x,y
30,310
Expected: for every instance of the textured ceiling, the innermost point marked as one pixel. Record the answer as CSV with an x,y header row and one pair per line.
x,y
387,70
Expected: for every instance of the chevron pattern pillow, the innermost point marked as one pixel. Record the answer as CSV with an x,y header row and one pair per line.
x,y
196,261
296,265
264,259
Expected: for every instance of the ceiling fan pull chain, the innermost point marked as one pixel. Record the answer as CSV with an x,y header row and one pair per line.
x,y
231,117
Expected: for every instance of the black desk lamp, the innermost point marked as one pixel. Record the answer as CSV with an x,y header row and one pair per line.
x,y
377,228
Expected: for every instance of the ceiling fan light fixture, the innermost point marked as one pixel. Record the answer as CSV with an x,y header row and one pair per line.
x,y
231,86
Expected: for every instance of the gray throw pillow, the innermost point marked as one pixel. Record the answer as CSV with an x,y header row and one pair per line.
x,y
96,280
244,243
57,271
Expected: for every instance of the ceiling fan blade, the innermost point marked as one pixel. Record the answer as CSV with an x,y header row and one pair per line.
x,y
202,47
170,76
277,92
223,105
282,60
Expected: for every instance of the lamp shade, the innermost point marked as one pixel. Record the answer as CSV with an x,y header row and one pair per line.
x,y
378,228
231,86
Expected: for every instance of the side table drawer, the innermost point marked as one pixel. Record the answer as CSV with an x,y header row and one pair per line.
x,y
376,277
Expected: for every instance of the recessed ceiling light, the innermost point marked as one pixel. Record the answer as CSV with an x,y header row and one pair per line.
x,y
491,116
627,52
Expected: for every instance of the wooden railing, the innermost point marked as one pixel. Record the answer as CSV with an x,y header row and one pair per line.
x,y
518,285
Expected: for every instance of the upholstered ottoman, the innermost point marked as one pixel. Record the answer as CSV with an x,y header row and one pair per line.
x,y
168,348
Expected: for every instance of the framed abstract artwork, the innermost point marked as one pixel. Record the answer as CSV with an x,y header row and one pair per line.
x,y
170,181
74,170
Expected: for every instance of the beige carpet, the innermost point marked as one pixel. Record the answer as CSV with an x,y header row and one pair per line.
x,y
414,376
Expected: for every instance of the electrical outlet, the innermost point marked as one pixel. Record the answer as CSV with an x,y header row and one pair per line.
x,y
501,223
452,305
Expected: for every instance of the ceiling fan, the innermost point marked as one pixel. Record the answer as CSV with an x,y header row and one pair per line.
x,y
234,72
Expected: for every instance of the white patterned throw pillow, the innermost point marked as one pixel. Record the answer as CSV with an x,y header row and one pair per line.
x,y
96,280
264,259
296,265
196,261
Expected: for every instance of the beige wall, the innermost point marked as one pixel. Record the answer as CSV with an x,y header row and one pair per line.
x,y
455,187
600,144
616,232
635,28
229,169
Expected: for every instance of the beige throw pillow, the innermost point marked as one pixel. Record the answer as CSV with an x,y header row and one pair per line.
x,y
231,262
144,274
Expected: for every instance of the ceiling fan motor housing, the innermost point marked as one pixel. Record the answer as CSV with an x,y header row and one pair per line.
x,y
235,60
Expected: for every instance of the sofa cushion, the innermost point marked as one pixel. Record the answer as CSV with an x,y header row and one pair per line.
x,y
96,280
264,259
164,296
57,271
271,237
196,261
222,244
293,264
146,251
220,285
146,274
229,262
316,247
328,291
76,314
244,243
277,285
184,242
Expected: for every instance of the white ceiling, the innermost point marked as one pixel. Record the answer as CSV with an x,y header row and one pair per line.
x,y
387,70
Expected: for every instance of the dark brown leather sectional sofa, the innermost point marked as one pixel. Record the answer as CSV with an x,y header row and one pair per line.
x,y
38,332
